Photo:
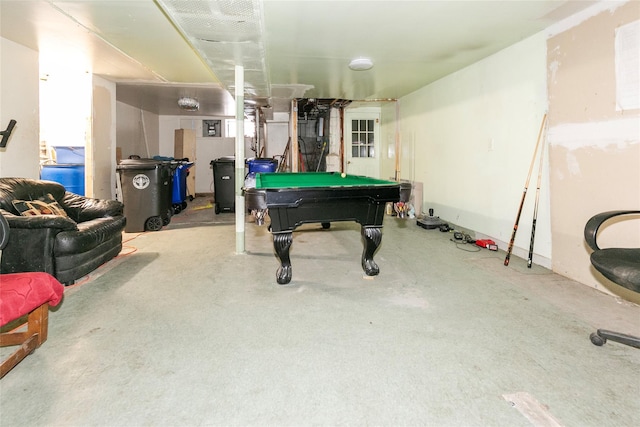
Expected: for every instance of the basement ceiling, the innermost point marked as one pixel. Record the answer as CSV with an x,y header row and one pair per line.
x,y
157,51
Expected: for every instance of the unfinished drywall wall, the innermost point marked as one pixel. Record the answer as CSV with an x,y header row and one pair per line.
x,y
137,131
19,100
594,138
470,138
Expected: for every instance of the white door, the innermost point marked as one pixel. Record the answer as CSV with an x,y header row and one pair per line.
x,y
362,143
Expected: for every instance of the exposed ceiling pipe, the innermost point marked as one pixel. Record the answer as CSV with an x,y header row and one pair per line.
x,y
375,100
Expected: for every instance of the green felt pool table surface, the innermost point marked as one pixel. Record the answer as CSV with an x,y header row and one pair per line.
x,y
315,179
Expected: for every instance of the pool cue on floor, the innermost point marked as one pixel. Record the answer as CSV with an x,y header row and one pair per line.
x,y
524,193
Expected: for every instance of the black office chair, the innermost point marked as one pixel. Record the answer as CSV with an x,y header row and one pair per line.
x,y
620,265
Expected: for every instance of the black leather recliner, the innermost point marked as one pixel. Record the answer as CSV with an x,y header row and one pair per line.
x,y
67,247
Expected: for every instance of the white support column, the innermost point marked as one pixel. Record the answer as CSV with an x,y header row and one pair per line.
x,y
294,151
240,214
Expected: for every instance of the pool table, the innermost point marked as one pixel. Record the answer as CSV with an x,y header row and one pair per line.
x,y
296,198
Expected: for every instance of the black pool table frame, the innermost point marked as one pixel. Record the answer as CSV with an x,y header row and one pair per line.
x,y
289,208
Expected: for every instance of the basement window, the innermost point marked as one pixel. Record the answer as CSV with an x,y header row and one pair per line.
x,y
230,128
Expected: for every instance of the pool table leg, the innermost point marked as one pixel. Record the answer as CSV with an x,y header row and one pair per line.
x,y
281,244
372,238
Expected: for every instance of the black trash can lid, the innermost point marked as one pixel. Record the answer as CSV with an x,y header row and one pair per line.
x,y
138,164
224,159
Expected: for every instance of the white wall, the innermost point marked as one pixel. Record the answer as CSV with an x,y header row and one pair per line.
x,y
470,137
137,131
276,138
19,100
207,148
65,105
101,161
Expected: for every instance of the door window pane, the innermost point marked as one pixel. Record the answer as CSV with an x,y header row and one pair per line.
x,y
362,138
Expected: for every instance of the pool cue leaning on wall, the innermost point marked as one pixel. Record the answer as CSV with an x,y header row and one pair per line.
x,y
535,209
524,193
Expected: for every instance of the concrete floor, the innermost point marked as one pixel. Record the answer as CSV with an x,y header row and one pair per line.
x,y
179,330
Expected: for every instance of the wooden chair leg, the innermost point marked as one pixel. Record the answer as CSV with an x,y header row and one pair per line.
x,y
39,323
29,340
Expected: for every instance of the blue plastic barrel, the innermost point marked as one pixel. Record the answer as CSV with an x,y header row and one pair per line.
x,y
68,155
70,176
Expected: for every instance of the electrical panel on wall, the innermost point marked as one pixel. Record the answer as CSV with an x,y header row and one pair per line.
x,y
212,128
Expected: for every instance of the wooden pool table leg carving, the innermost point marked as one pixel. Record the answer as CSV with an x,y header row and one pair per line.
x,y
281,244
372,238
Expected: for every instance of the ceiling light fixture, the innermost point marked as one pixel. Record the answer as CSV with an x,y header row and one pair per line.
x,y
188,104
361,64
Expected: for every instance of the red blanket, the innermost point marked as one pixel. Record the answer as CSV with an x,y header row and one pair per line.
x,y
21,293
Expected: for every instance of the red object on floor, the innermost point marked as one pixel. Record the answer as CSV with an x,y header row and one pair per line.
x,y
487,243
21,293
24,300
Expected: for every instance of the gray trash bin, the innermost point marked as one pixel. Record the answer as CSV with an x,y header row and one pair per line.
x,y
146,193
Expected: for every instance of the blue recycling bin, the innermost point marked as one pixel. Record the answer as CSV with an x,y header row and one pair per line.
x,y
179,193
258,165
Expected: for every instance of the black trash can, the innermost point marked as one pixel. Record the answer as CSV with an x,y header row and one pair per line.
x,y
146,193
172,167
224,184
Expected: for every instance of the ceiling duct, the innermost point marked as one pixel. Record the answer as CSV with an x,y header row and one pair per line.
x,y
225,33
188,103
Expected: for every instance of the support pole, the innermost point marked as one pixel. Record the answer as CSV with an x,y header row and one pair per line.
x,y
239,159
396,174
293,131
